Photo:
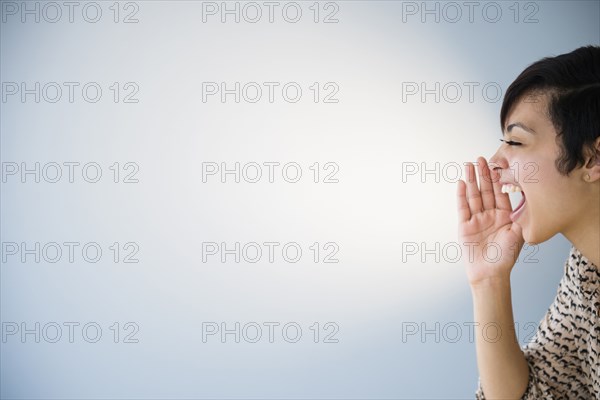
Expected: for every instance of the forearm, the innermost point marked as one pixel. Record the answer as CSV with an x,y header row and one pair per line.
x,y
503,370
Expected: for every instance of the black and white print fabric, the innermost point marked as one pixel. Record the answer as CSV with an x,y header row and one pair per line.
x,y
564,354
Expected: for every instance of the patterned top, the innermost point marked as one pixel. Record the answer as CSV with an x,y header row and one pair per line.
x,y
564,354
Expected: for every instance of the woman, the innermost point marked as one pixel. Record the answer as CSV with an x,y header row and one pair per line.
x,y
550,120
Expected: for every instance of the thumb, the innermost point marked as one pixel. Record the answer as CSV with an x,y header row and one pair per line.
x,y
517,230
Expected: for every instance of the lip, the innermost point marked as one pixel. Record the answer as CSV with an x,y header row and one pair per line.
x,y
518,211
509,183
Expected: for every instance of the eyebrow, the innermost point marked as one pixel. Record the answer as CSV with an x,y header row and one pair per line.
x,y
519,125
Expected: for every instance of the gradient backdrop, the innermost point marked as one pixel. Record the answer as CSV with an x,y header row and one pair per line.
x,y
394,96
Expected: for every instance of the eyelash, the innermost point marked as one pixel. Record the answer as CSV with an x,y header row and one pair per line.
x,y
511,143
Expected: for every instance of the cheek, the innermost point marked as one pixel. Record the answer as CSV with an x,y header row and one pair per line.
x,y
551,201
547,193
539,174
544,183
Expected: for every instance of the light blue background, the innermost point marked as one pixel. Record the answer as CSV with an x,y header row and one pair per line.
x,y
369,294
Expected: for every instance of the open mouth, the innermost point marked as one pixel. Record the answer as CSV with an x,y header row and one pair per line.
x,y
518,210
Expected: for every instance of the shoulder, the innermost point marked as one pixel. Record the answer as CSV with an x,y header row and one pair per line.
x,y
583,274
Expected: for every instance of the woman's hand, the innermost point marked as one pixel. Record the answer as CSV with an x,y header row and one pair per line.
x,y
490,241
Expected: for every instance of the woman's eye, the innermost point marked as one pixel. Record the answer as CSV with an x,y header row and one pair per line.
x,y
511,142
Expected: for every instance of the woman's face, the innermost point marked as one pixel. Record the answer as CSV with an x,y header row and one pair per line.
x,y
552,201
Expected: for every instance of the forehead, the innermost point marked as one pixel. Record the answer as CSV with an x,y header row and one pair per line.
x,y
532,110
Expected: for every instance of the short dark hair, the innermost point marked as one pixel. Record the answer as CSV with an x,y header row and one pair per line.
x,y
572,82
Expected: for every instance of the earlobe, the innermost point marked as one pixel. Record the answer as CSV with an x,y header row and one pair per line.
x,y
595,158
593,175
593,164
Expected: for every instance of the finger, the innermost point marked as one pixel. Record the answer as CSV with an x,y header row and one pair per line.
x,y
502,199
485,182
473,194
464,214
517,229
516,247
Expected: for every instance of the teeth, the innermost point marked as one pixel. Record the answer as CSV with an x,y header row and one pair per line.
x,y
509,188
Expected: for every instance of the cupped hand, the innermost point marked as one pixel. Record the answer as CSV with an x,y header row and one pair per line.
x,y
490,241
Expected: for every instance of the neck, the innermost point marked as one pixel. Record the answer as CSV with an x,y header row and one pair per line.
x,y
585,236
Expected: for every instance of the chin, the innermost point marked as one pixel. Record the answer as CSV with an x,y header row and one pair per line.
x,y
535,237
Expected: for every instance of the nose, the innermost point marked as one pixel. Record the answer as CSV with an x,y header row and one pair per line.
x,y
498,160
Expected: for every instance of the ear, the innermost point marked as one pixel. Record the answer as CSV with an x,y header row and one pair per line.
x,y
592,167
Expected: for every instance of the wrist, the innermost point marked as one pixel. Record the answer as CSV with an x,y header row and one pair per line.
x,y
490,284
